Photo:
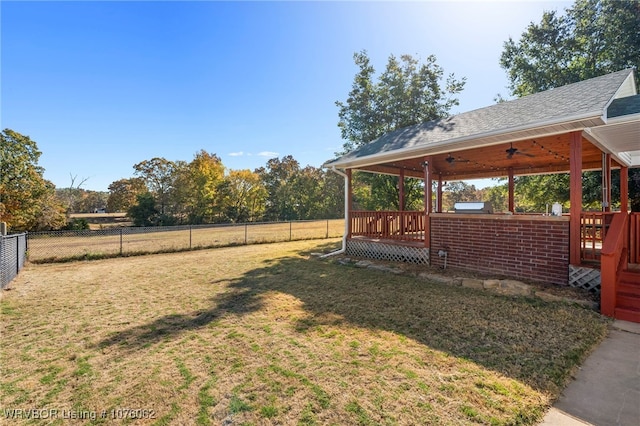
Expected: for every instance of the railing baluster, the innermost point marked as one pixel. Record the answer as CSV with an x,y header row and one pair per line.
x,y
393,225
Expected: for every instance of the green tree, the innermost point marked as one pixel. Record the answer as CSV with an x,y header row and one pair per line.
x,y
144,212
27,200
498,195
123,194
593,38
406,93
205,175
158,174
332,195
278,177
244,196
381,192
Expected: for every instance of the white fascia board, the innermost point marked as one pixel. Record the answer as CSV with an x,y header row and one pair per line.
x,y
464,142
628,87
623,118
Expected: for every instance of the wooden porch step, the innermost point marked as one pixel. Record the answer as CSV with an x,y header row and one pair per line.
x,y
629,277
628,296
628,300
628,314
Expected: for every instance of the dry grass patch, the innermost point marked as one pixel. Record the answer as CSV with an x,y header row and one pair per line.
x,y
264,335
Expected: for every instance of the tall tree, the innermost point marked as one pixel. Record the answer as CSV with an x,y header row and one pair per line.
x,y
158,174
27,200
332,195
244,196
278,177
144,212
407,92
206,175
593,37
123,194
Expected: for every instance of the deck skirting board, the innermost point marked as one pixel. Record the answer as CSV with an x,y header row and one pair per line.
x,y
389,252
584,278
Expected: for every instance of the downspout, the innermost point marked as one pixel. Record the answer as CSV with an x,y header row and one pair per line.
x,y
346,214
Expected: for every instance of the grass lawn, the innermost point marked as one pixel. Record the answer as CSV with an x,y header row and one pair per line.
x,y
266,335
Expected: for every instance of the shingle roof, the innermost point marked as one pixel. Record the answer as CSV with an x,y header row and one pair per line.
x,y
578,100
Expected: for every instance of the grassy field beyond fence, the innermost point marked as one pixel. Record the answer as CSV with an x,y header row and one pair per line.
x,y
267,335
68,245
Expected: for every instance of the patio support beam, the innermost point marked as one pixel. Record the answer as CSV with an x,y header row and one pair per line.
x,y
575,196
606,182
439,195
428,173
624,189
511,187
349,200
401,190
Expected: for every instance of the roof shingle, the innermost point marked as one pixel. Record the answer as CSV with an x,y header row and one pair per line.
x,y
588,97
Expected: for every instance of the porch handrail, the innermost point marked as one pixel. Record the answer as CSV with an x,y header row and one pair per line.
x,y
613,259
392,225
593,231
634,237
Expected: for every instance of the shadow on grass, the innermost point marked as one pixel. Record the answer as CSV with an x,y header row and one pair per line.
x,y
526,339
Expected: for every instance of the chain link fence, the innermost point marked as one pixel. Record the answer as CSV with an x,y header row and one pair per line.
x,y
13,253
58,246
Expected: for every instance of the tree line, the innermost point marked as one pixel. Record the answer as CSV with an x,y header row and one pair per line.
x,y
165,192
592,38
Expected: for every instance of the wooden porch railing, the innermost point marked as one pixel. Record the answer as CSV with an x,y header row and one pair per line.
x,y
634,238
613,261
391,225
593,230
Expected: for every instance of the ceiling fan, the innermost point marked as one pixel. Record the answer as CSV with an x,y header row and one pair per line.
x,y
510,151
451,160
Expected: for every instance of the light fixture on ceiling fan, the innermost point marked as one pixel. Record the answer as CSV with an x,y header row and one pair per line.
x,y
511,151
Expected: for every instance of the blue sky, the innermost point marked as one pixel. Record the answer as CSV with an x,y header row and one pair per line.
x,y
101,86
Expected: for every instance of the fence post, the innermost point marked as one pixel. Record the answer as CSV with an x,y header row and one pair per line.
x,y
245,233
120,241
17,254
190,226
327,236
290,233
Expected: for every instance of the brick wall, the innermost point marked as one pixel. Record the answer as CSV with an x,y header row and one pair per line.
x,y
523,247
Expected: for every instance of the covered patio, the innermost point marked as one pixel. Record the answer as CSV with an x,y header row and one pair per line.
x,y
590,125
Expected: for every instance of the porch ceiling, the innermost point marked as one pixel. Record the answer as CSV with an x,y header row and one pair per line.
x,y
534,156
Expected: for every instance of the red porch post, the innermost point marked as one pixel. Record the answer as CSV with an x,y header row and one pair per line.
x,y
439,195
349,201
575,196
511,185
401,190
428,173
624,189
606,182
